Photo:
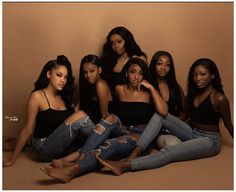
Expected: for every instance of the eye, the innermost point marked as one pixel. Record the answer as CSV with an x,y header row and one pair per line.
x,y
59,75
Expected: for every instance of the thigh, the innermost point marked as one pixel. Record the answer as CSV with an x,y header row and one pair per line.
x,y
178,128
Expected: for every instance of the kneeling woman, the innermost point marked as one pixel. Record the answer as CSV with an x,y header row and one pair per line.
x,y
201,138
137,101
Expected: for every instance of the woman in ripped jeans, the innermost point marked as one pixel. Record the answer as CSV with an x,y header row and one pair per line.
x,y
58,129
207,104
134,109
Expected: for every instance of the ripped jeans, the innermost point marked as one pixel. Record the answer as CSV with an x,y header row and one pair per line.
x,y
196,143
97,138
56,144
119,147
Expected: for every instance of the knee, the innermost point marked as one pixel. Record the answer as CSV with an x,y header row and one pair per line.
x,y
75,116
110,118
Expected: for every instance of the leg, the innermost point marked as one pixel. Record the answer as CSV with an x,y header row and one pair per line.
x,y
188,150
65,161
165,140
110,123
59,141
64,175
150,132
192,149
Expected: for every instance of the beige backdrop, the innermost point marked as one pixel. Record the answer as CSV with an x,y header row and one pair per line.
x,y
34,33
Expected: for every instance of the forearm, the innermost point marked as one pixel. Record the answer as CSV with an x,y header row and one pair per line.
x,y
160,105
22,140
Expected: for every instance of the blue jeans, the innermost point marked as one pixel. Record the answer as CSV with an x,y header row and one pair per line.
x,y
56,144
196,143
114,147
98,138
120,146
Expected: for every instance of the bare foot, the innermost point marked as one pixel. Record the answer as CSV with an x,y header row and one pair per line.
x,y
66,161
60,163
117,167
64,174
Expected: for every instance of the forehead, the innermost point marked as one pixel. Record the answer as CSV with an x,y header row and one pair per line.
x,y
200,68
164,57
135,67
88,65
60,68
115,37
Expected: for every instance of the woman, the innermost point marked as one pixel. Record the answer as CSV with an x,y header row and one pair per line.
x,y
120,46
163,72
137,100
50,113
207,104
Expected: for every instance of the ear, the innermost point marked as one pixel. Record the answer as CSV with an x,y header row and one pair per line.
x,y
48,74
212,76
100,70
126,74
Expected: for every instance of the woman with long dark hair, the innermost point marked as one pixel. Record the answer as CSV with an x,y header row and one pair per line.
x,y
137,101
207,104
119,47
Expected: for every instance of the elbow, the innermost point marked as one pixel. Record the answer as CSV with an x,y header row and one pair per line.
x,y
164,111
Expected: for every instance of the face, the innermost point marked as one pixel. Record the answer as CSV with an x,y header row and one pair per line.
x,y
91,72
135,75
118,44
201,76
163,66
58,77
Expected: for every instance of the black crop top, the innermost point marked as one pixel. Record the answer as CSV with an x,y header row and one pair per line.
x,y
94,110
48,120
205,113
134,113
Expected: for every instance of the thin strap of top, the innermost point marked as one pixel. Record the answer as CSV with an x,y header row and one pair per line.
x,y
46,98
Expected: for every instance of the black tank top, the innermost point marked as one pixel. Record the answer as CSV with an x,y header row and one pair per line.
x,y
134,113
205,113
48,120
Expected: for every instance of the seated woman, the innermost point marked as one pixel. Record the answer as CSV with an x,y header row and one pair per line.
x,y
51,117
206,104
119,47
137,101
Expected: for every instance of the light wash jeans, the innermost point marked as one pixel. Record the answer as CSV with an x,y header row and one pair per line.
x,y
196,143
56,144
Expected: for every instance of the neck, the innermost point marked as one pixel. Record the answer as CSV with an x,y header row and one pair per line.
x,y
123,56
51,90
131,88
207,89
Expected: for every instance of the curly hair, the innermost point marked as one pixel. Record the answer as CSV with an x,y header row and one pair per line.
x,y
42,82
193,90
86,90
175,90
109,57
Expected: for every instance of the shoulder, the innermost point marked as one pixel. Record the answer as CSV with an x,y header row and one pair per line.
x,y
119,87
218,98
36,95
101,84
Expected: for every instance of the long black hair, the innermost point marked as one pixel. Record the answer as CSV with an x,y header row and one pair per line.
x,y
42,82
175,90
193,90
86,90
109,57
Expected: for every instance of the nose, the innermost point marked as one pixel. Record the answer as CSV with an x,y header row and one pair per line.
x,y
136,76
